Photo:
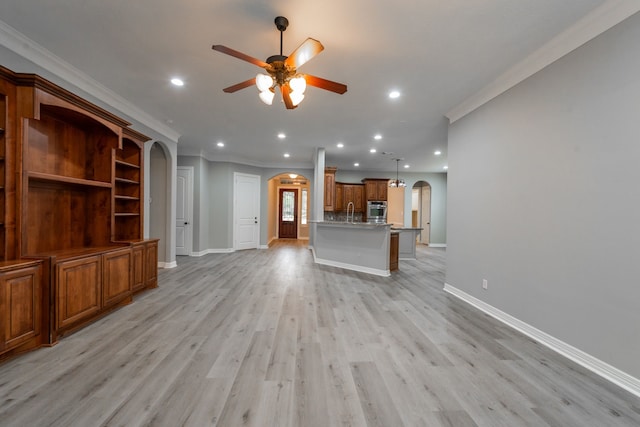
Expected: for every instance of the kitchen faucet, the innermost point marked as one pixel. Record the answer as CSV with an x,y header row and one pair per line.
x,y
353,211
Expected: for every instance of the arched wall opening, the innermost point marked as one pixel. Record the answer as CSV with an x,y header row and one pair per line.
x,y
421,210
299,184
159,200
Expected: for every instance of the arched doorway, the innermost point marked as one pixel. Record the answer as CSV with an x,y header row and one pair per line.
x,y
289,201
421,210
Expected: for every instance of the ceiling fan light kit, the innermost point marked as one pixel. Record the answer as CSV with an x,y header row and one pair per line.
x,y
282,71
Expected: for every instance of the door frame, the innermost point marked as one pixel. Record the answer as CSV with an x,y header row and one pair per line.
x,y
234,215
189,214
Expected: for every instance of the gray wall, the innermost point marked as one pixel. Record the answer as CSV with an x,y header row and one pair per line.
x,y
213,200
158,194
544,199
438,182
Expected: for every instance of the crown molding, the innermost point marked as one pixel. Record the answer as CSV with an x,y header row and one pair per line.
x,y
593,24
18,43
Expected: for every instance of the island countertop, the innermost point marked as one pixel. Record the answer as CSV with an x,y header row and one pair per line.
x,y
350,224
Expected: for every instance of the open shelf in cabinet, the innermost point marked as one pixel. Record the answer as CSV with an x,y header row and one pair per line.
x,y
38,176
62,216
70,145
126,164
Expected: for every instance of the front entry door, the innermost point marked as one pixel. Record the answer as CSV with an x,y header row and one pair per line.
x,y
288,215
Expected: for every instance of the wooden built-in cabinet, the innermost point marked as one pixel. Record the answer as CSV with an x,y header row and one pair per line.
x,y
71,213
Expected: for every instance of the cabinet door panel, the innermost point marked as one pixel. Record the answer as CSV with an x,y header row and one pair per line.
x,y
151,265
116,279
340,198
137,261
382,190
358,197
78,288
22,305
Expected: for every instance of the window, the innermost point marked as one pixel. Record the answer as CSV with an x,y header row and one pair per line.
x,y
288,205
303,213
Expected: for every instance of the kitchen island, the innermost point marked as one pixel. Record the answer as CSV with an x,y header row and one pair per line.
x,y
359,246
407,241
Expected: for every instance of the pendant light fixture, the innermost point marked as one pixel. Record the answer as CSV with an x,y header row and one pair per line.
x,y
397,182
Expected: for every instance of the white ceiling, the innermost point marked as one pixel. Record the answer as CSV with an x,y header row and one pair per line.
x,y
436,53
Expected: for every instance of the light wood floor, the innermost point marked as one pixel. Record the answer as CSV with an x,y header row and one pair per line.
x,y
267,338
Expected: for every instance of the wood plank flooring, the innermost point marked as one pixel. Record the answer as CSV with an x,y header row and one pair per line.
x,y
268,338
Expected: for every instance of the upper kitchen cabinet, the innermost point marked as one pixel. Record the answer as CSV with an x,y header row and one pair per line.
x,y
350,193
330,189
375,188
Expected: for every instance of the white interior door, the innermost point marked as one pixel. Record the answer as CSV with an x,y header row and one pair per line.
x,y
184,210
425,214
246,196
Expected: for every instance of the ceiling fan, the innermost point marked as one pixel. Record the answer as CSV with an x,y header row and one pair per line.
x,y
283,71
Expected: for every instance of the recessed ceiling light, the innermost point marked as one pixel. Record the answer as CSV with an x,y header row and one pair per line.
x,y
340,145
377,136
220,144
287,155
373,150
293,175
437,153
177,82
406,166
445,167
394,94
356,164
282,135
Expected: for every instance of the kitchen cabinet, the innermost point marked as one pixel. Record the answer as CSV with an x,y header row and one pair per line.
x,y
330,189
375,188
341,205
353,193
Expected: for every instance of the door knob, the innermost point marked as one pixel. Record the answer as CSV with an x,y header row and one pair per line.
x,y
186,223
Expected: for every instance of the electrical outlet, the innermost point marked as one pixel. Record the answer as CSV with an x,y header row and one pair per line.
x,y
485,284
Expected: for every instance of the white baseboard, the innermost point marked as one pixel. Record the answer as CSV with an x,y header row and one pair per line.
x,y
597,366
263,247
377,272
172,264
212,251
437,245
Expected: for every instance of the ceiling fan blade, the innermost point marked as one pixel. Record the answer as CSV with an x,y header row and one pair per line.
x,y
325,84
286,97
239,86
307,50
239,55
